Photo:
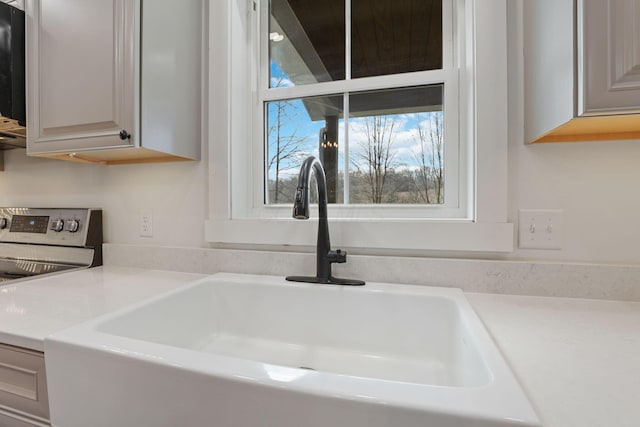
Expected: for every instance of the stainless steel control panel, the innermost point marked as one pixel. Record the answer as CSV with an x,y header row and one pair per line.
x,y
51,226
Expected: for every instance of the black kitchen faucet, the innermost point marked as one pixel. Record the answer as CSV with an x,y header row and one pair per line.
x,y
325,256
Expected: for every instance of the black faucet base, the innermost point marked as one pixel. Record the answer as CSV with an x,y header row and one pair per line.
x,y
330,281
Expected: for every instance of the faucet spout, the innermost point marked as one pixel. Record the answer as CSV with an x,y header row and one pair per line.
x,y
324,255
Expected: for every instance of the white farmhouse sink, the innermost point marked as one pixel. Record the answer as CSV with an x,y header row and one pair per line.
x,y
248,351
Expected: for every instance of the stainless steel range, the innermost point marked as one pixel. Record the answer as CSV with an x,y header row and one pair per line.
x,y
37,241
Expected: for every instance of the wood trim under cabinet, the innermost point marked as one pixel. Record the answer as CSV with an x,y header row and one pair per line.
x,y
597,128
116,156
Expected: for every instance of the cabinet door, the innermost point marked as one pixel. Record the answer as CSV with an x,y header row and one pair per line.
x,y
82,74
610,38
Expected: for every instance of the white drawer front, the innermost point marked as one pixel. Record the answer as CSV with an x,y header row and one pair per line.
x,y
23,385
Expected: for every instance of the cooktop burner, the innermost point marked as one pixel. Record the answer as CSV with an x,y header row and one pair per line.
x,y
37,241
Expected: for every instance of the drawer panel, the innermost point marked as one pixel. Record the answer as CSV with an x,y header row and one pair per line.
x,y
23,384
18,381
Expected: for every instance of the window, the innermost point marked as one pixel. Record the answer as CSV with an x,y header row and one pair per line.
x,y
260,81
362,84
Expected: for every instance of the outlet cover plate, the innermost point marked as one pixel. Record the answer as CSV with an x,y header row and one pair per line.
x,y
146,223
540,229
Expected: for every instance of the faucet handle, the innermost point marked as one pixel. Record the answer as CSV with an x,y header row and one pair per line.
x,y
337,256
301,204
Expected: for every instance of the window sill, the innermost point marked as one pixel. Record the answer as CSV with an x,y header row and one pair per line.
x,y
379,234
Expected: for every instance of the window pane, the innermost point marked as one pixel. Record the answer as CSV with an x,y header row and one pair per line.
x,y
296,129
396,146
306,42
395,36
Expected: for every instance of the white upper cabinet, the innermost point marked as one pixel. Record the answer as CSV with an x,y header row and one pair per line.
x,y
582,70
102,90
82,73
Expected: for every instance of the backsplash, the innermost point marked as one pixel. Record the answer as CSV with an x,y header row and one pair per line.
x,y
547,279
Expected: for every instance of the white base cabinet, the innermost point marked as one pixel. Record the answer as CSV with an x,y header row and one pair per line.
x,y
114,81
23,388
582,70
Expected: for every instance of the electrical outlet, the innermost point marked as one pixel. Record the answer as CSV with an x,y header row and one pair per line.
x,y
146,223
540,229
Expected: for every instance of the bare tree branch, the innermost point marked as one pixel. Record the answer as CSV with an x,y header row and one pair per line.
x,y
377,155
284,144
430,173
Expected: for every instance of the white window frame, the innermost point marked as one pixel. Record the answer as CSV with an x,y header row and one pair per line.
x,y
234,217
455,154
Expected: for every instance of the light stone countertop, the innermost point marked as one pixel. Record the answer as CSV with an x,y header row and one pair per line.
x,y
577,359
30,310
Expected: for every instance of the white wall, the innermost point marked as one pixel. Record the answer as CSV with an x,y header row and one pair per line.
x,y
176,193
596,186
594,183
